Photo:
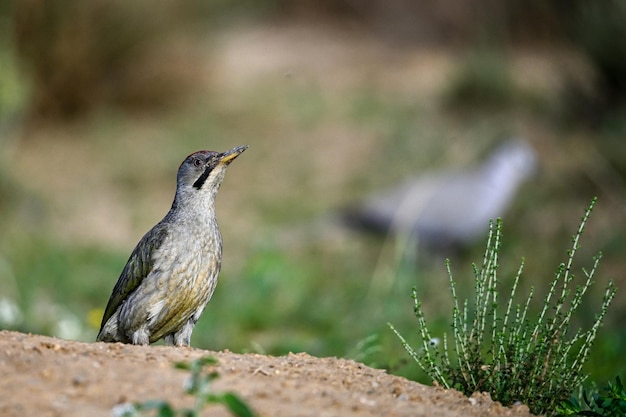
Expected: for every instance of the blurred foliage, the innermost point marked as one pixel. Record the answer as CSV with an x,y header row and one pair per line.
x,y
82,54
594,28
602,31
445,21
135,55
599,30
54,286
483,80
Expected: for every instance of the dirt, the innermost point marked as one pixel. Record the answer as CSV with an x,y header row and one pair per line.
x,y
44,376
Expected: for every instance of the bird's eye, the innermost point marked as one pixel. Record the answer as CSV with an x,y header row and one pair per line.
x,y
197,162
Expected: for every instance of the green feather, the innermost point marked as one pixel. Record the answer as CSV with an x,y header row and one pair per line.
x,y
138,266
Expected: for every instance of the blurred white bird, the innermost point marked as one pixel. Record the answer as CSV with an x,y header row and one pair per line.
x,y
449,209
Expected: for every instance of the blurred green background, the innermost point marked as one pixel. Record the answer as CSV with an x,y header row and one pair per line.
x,y
101,100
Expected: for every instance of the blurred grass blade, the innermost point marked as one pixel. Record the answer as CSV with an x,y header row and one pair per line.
x,y
236,406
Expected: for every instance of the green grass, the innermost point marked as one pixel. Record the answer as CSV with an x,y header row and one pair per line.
x,y
57,286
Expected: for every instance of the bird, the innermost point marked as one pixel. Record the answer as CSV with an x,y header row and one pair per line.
x,y
171,274
448,210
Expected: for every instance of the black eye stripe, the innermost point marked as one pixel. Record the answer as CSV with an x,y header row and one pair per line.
x,y
202,179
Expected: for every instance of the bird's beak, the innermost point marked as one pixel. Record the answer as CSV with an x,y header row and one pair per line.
x,y
228,156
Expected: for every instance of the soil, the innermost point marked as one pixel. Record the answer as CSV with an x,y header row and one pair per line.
x,y
44,376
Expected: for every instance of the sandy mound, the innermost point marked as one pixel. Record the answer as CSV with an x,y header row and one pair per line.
x,y
44,376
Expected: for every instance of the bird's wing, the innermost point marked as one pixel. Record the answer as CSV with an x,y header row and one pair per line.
x,y
137,267
397,208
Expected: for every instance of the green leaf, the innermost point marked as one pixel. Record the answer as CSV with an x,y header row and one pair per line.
x,y
186,366
206,360
152,405
236,406
166,411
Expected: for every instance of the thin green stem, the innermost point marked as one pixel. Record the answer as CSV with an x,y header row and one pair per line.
x,y
512,355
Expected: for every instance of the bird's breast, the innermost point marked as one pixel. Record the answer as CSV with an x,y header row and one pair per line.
x,y
189,263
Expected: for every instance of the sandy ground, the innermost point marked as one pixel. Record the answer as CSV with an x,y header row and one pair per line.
x,y
44,376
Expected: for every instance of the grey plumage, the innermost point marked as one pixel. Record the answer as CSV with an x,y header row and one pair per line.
x,y
451,208
172,272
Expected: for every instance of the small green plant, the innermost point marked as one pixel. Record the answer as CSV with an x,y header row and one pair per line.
x,y
502,350
609,402
365,350
199,386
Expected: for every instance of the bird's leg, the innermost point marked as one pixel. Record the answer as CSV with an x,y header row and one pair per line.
x,y
183,336
140,336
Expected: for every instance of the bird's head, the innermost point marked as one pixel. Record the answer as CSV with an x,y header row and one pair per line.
x,y
204,170
514,160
